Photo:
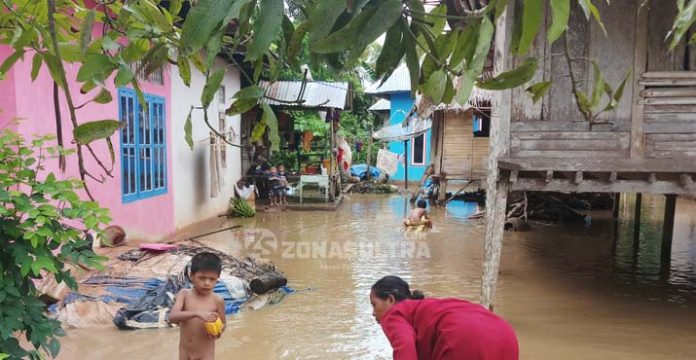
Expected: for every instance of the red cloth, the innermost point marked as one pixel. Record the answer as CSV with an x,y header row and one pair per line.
x,y
448,329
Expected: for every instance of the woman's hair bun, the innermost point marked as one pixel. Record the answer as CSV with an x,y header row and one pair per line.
x,y
417,295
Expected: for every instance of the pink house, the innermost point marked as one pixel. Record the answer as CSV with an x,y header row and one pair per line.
x,y
139,194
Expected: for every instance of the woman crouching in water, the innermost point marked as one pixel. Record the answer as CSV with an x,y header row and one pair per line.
x,y
439,329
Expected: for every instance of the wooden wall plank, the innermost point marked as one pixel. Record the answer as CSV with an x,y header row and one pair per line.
x,y
619,186
661,15
669,117
675,127
568,154
562,125
523,108
615,51
649,109
561,103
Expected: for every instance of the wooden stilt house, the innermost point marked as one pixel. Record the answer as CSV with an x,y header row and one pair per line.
x,y
647,145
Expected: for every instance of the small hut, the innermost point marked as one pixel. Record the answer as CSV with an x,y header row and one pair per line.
x,y
460,141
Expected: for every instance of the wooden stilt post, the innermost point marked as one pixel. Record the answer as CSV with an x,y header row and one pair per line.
x,y
667,233
617,205
406,164
636,218
497,187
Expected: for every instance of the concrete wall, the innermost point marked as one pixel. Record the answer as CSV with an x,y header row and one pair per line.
x,y
401,104
149,218
192,199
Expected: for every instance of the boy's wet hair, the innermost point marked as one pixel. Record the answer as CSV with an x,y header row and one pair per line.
x,y
206,261
422,204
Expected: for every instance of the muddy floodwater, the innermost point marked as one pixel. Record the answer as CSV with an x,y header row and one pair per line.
x,y
571,291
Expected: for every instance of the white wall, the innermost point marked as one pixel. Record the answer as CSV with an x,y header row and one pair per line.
x,y
191,170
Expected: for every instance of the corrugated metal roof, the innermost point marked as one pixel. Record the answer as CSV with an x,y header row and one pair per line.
x,y
317,94
381,105
400,80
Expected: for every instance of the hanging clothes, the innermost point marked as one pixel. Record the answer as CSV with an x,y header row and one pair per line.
x,y
217,178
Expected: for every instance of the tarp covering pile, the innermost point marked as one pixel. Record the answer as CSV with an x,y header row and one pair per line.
x,y
138,289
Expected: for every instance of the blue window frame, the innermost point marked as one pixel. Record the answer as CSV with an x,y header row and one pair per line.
x,y
143,146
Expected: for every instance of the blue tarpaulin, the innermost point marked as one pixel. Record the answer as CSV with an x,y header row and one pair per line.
x,y
360,170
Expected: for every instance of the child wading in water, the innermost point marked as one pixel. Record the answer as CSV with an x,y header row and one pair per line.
x,y
194,307
418,215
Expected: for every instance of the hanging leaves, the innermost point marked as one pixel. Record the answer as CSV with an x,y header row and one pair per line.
x,y
590,9
560,12
266,27
392,52
434,88
104,97
271,121
538,90
202,21
211,87
686,17
323,18
188,130
531,21
86,31
246,99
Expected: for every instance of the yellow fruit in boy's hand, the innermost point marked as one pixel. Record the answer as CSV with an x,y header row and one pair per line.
x,y
214,328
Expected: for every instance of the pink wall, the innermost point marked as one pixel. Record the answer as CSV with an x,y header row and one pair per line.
x,y
7,93
151,218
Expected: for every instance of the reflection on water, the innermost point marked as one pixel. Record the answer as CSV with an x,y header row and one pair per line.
x,y
560,286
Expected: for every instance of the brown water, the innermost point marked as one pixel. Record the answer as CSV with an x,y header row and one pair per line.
x,y
571,292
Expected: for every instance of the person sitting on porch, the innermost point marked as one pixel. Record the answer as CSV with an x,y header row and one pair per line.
x,y
419,216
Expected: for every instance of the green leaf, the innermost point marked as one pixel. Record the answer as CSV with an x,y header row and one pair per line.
x,y
97,67
345,37
584,102
211,87
589,8
682,23
240,106
104,97
466,86
70,52
266,27
94,130
392,52
123,76
184,70
513,78
323,18
449,92
197,62
466,46
560,10
36,65
250,92
538,90
188,130
175,7
296,42
434,88
272,123
10,61
598,86
531,20
412,61
213,48
53,347
384,18
86,31
204,19
483,46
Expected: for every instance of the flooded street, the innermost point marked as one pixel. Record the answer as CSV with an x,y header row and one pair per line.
x,y
571,292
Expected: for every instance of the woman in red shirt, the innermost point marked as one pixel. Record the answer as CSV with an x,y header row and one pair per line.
x,y
439,329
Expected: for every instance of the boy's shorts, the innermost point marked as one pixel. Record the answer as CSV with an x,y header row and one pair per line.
x,y
279,191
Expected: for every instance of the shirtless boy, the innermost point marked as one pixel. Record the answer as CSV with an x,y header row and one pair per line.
x,y
194,307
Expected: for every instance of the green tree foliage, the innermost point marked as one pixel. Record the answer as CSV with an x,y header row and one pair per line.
x,y
42,225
